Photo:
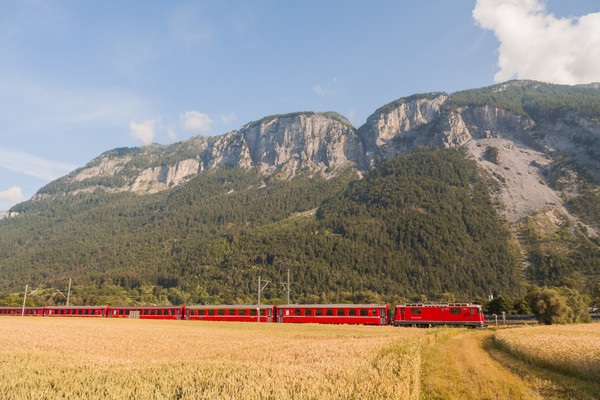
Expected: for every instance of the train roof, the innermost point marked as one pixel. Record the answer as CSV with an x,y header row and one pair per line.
x,y
233,306
20,307
144,307
333,305
75,307
438,305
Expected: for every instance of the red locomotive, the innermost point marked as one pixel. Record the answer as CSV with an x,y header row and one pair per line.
x,y
431,314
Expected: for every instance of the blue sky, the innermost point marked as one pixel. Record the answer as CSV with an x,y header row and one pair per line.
x,y
78,78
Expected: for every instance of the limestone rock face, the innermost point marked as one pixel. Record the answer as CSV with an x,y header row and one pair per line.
x,y
305,139
283,146
152,180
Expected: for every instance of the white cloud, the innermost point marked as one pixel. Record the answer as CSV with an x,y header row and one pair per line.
x,y
172,136
352,115
535,44
143,131
14,195
321,91
229,118
196,121
31,165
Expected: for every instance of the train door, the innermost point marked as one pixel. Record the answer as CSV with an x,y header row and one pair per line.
x,y
382,317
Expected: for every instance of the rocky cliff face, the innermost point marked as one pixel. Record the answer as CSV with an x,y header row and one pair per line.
x,y
327,143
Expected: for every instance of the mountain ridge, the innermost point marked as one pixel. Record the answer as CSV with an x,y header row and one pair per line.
x,y
536,146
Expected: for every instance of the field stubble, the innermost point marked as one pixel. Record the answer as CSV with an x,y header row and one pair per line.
x,y
571,349
115,359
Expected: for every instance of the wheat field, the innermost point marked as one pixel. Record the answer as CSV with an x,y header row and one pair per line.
x,y
76,358
574,349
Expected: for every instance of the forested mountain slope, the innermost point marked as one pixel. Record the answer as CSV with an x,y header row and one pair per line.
x,y
387,209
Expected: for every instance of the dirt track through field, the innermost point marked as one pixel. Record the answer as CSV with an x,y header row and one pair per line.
x,y
470,366
459,368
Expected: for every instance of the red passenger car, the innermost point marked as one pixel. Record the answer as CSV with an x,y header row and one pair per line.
x,y
368,314
157,312
428,314
18,311
247,313
82,311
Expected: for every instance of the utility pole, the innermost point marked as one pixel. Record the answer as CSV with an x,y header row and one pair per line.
x,y
69,292
24,300
261,287
286,287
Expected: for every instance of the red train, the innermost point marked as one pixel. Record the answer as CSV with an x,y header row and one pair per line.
x,y
416,315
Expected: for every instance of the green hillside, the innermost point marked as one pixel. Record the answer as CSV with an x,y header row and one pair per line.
x,y
420,225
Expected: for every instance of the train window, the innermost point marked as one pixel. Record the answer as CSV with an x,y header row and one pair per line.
x,y
297,311
211,312
341,312
455,311
352,312
263,312
253,312
220,312
415,311
153,312
243,312
307,312
318,312
364,312
479,311
374,312
329,312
